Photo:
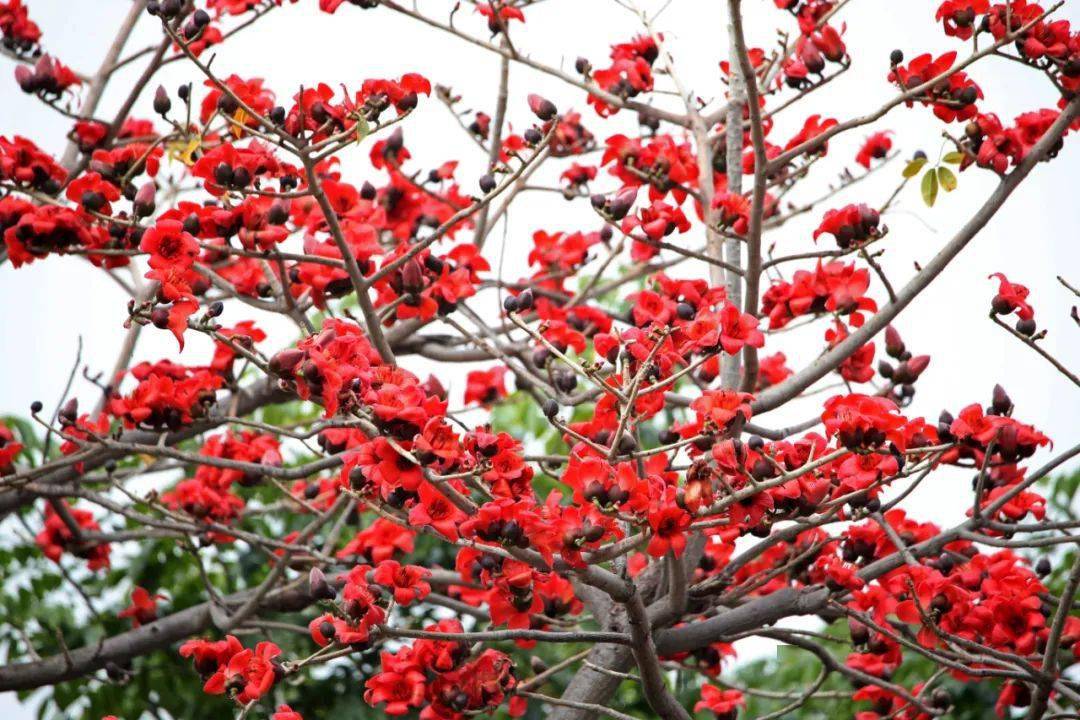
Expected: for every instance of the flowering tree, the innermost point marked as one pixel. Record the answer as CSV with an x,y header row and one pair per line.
x,y
291,531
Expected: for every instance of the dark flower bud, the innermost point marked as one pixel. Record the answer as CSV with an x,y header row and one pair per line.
x,y
525,300
941,699
69,412
395,142
896,57
227,104
216,308
35,407
968,95
566,381
93,200
241,177
532,136
551,408
284,362
1026,327
412,277
582,65
143,204
620,206
223,175
277,115
598,201
327,630
170,8
160,317
487,183
542,107
1001,403
318,586
408,102
192,224
510,304
162,103
279,213
685,311
367,191
115,672
894,346
860,634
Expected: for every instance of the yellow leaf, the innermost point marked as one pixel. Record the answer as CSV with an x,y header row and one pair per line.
x,y
912,169
929,188
362,129
184,152
954,158
237,128
946,179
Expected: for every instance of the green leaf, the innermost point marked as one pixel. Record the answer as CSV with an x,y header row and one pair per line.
x,y
953,158
912,169
946,178
929,188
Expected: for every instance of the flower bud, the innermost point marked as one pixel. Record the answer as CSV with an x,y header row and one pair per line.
x,y
285,362
144,200
1001,403
318,586
620,206
162,103
542,107
894,346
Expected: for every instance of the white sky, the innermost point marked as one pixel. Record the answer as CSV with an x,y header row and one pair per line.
x,y
44,307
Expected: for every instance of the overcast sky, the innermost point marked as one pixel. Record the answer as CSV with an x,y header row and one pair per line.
x,y
46,306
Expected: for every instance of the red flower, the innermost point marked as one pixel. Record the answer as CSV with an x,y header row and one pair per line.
x,y
284,712
484,387
738,329
861,420
250,673
406,581
813,127
401,687
960,16
850,224
1012,297
169,245
876,147
434,509
379,541
93,193
56,537
9,450
24,163
143,608
669,524
953,97
724,703
720,407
